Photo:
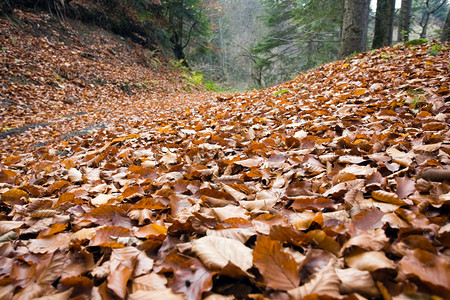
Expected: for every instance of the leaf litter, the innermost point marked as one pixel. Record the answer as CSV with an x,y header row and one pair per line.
x,y
338,189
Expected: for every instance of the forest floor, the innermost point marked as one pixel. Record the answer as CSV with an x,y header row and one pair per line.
x,y
120,179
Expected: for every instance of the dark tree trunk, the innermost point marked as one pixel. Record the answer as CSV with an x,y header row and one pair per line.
x,y
445,36
405,21
178,49
354,28
384,23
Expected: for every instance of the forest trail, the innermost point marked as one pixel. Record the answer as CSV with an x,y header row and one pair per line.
x,y
133,187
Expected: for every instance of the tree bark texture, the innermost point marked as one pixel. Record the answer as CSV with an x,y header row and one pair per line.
x,y
384,23
445,36
354,28
405,21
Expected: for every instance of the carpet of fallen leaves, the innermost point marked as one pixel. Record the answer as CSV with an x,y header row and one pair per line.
x,y
332,186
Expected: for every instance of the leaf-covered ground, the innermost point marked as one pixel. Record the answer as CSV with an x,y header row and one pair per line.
x,y
116,183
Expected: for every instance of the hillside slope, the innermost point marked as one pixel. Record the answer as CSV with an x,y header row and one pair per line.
x,y
57,75
115,183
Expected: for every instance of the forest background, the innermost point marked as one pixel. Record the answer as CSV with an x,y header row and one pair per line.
x,y
245,44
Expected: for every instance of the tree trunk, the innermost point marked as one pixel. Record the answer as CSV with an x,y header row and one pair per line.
x,y
384,23
428,11
424,24
445,36
405,20
355,23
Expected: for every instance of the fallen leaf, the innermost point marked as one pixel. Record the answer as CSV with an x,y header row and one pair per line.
x,y
324,283
369,261
192,279
430,269
279,269
356,281
121,267
217,252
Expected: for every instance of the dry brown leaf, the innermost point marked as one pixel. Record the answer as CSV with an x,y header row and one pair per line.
x,y
324,241
230,211
255,161
369,261
217,252
121,267
75,175
50,267
356,281
50,244
430,269
83,234
103,199
239,234
374,240
387,197
427,147
57,296
166,294
400,157
405,187
192,279
149,282
14,196
324,283
279,268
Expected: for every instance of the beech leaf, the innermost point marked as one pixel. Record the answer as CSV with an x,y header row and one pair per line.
x,y
279,269
324,283
217,252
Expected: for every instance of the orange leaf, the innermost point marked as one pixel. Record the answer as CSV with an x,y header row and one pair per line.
x,y
52,230
279,269
14,196
359,92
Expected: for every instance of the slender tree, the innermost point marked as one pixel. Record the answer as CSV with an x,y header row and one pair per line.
x,y
354,27
445,35
430,8
405,20
384,23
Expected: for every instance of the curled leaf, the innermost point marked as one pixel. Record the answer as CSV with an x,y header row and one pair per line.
x,y
324,283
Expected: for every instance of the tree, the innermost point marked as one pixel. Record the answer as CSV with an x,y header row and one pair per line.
x,y
405,20
384,23
300,35
445,35
184,20
277,47
228,60
354,27
430,8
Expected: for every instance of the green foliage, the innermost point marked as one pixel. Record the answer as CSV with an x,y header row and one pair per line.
x,y
435,49
211,86
187,24
300,35
416,42
418,99
283,91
